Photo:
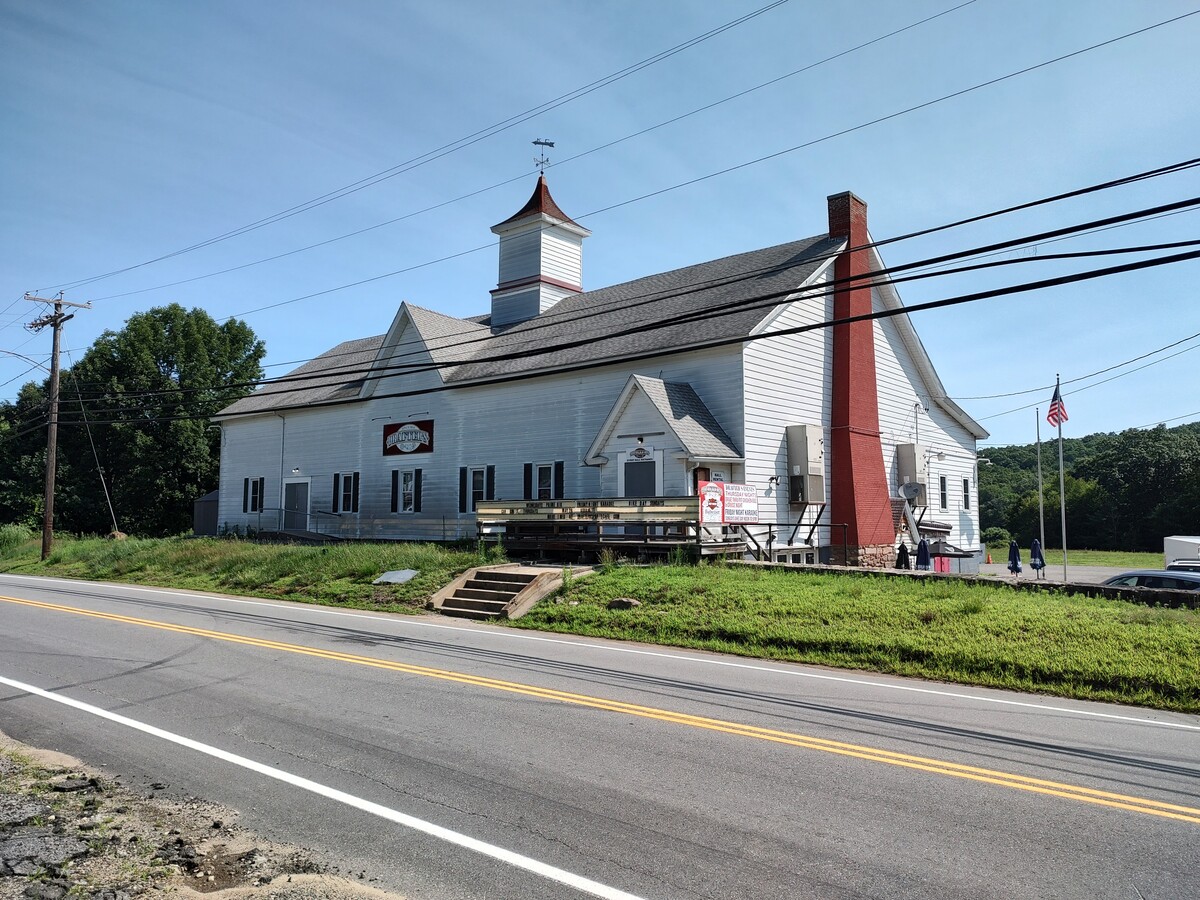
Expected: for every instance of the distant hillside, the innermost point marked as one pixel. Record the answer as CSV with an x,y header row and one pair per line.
x,y
1125,491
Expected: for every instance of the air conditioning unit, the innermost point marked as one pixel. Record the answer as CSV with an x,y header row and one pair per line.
x,y
806,464
806,489
910,469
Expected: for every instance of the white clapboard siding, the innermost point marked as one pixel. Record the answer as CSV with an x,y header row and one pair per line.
x,y
533,420
541,250
562,257
787,383
520,255
901,389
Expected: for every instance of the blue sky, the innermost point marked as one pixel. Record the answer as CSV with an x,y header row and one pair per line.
x,y
135,129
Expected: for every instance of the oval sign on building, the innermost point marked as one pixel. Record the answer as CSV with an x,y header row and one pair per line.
x,y
410,437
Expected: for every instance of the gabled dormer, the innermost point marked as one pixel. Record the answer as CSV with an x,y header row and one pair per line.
x,y
541,259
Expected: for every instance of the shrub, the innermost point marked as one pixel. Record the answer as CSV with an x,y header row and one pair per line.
x,y
996,536
13,536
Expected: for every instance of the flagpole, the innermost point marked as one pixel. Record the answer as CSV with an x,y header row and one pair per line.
x,y
1062,489
1037,416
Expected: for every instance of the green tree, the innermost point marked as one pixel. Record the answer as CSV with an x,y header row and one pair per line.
x,y
137,404
23,456
1124,491
1145,473
1089,523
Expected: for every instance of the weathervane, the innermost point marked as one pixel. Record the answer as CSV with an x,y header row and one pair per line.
x,y
541,162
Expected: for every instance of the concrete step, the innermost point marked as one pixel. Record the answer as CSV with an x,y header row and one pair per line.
x,y
490,584
517,578
494,593
482,593
482,605
450,608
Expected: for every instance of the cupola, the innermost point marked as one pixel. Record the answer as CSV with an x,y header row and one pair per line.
x,y
541,259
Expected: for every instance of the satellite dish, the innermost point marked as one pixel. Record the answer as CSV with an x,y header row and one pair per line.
x,y
910,490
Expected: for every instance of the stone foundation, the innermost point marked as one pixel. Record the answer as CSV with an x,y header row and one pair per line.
x,y
875,556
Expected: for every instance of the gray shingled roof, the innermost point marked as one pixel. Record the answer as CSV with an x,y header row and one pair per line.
x,y
669,311
448,339
349,357
690,419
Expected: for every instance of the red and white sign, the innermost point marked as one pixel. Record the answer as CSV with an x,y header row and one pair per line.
x,y
728,504
411,437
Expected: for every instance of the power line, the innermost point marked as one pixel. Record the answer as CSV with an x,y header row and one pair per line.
x,y
760,301
1165,421
552,318
668,189
561,162
1084,233
1151,173
445,149
763,301
1097,384
741,339
1044,388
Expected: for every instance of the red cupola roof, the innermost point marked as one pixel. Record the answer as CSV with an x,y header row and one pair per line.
x,y
540,203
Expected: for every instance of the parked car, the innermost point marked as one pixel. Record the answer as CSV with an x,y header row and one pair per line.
x,y
1186,565
1176,580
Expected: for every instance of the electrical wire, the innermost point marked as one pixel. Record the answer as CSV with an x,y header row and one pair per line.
x,y
741,339
763,302
1097,384
443,150
1044,388
759,301
560,163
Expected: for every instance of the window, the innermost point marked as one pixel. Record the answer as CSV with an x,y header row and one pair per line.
x,y
544,481
252,494
475,484
345,492
406,490
966,493
943,499
478,489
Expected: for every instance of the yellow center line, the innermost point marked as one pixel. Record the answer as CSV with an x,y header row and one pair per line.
x,y
808,742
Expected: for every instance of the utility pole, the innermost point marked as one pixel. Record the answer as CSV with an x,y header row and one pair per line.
x,y
55,320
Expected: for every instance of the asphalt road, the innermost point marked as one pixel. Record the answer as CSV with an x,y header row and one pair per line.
x,y
451,760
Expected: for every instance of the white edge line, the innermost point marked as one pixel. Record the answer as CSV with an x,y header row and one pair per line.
x,y
678,657
545,870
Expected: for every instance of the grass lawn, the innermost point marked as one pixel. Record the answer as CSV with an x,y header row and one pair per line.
x,y
937,628
940,629
339,574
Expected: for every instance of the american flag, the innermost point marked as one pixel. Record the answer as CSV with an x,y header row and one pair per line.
x,y
1058,411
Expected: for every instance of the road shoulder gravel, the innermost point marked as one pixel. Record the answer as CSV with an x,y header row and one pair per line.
x,y
67,831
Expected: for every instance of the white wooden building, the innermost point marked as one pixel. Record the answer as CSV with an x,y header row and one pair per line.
x,y
640,389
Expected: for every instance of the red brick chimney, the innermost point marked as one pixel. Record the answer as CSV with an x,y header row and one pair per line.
x,y
858,495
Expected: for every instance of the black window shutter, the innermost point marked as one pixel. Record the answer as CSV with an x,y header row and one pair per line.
x,y
337,492
462,489
489,483
354,506
395,490
245,495
262,492
559,480
528,481
417,491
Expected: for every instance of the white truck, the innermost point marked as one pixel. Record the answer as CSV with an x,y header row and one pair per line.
x,y
1182,552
